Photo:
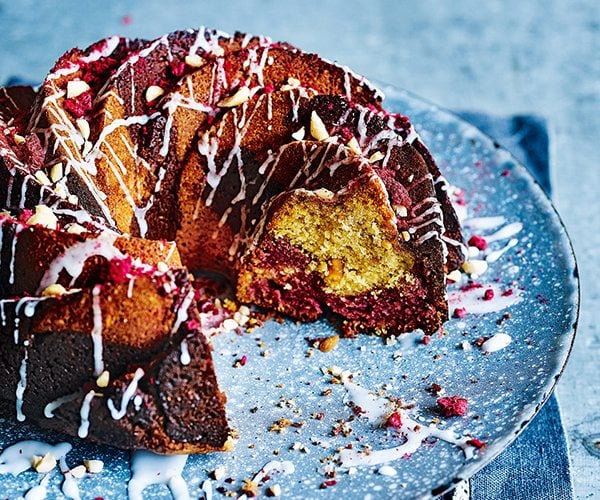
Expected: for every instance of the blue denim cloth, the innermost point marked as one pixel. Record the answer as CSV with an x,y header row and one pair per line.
x,y
536,465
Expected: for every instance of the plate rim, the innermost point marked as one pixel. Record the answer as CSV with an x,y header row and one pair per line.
x,y
473,467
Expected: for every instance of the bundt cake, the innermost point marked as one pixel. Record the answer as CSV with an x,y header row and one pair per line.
x,y
77,352
137,160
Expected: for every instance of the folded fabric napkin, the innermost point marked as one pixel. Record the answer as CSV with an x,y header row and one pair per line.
x,y
536,465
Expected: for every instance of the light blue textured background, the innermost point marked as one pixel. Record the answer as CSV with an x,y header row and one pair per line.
x,y
502,57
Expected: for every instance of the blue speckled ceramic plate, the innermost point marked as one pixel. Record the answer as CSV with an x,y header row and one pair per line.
x,y
505,389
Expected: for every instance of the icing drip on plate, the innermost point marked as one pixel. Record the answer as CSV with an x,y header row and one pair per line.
x,y
474,302
496,342
376,410
149,468
284,467
17,458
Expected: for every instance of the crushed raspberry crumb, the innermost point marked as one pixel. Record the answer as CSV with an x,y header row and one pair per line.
x,y
402,122
478,242
326,484
470,286
477,443
177,68
119,270
507,293
94,72
426,339
269,89
453,406
79,106
243,360
192,324
488,294
459,312
25,215
506,173
394,420
345,133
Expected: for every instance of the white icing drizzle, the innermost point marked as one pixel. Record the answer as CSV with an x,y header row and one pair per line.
x,y
182,311
414,432
13,254
362,127
363,82
68,70
209,145
149,468
506,232
130,287
428,235
458,244
39,491
386,470
472,299
126,396
185,353
484,222
415,435
2,230
17,457
97,330
53,405
175,101
496,342
96,152
30,304
374,408
70,488
63,131
207,40
496,254
21,386
84,414
207,489
347,87
110,45
422,220
284,467
73,259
